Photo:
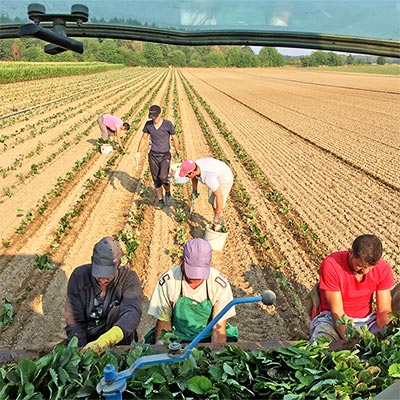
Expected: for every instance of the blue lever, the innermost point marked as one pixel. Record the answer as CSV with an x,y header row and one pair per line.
x,y
113,384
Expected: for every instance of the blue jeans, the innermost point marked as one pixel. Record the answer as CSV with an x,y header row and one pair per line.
x,y
322,325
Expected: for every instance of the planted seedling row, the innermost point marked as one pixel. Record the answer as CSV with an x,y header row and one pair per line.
x,y
288,216
43,203
258,236
36,167
96,185
67,220
32,129
79,109
182,229
53,91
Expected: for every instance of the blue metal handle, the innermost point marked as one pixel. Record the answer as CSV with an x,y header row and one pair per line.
x,y
113,384
210,325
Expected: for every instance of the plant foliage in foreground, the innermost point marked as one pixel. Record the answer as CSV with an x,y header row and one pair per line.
x,y
301,371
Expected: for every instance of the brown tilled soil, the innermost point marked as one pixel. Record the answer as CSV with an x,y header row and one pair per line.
x,y
326,146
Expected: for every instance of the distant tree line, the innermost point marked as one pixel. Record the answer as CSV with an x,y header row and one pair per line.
x,y
320,57
135,53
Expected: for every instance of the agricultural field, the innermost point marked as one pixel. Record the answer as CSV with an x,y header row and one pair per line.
x,y
316,158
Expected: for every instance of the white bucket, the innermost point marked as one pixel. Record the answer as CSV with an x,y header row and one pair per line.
x,y
174,172
106,149
216,239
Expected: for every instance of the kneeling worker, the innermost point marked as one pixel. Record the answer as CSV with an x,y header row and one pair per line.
x,y
189,296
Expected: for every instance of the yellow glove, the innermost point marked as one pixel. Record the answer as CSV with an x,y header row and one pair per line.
x,y
111,337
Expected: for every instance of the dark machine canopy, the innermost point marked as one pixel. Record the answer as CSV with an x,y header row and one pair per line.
x,y
356,26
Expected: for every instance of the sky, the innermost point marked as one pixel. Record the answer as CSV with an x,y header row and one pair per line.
x,y
286,51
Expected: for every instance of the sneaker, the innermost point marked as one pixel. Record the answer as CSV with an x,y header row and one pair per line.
x,y
160,204
168,198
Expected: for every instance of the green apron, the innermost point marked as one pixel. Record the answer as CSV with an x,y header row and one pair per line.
x,y
190,317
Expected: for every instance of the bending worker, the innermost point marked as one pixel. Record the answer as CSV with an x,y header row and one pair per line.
x,y
348,281
104,300
216,175
112,126
189,295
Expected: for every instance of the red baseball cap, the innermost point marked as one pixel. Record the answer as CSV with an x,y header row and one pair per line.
x,y
186,167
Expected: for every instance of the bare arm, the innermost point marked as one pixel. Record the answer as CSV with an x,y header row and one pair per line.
x,y
175,141
335,303
142,142
383,307
219,200
218,334
194,184
160,325
118,136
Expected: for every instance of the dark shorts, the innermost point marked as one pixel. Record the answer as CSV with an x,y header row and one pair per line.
x,y
159,168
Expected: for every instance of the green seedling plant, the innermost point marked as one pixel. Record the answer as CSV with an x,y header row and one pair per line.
x,y
7,191
304,229
131,241
43,262
6,313
283,210
180,215
133,217
281,277
29,217
34,169
6,244
180,235
21,178
23,295
101,173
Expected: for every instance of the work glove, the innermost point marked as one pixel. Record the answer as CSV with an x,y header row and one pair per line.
x,y
111,337
195,194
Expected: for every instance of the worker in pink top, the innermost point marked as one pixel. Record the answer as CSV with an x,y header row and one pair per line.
x,y
349,280
112,126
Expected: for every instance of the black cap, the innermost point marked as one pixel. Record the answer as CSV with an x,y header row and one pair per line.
x,y
106,258
154,111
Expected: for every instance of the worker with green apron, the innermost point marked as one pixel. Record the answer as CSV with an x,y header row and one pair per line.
x,y
178,300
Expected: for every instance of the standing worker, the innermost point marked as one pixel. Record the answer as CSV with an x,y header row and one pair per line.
x,y
216,175
112,126
160,131
104,300
348,282
189,296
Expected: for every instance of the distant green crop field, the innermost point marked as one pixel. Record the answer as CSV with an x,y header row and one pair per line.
x,y
26,71
367,69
